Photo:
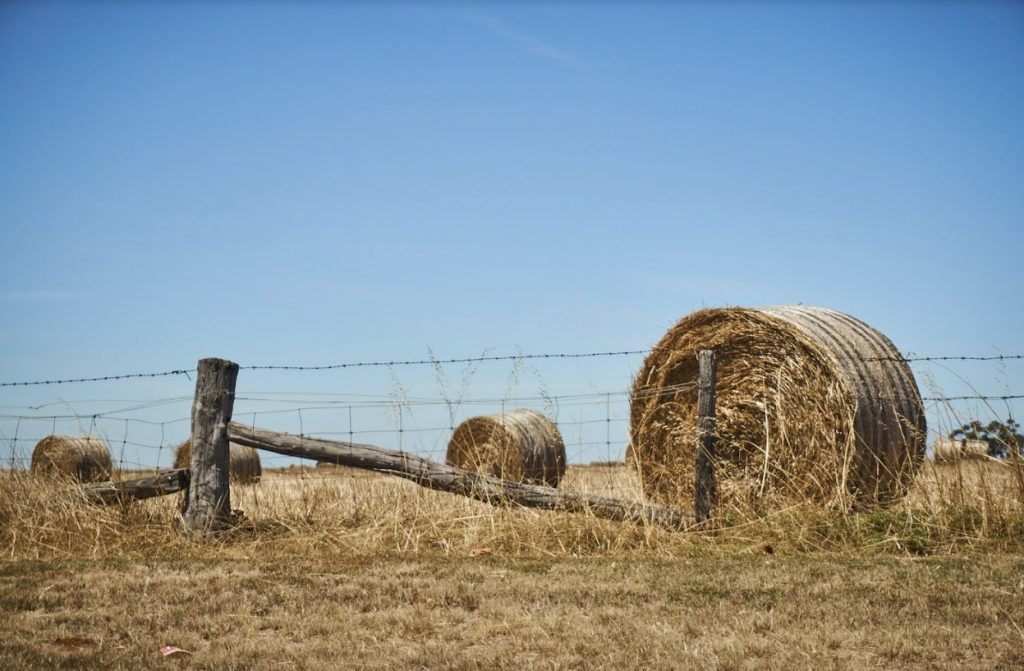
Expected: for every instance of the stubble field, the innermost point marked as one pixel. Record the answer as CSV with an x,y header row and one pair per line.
x,y
337,569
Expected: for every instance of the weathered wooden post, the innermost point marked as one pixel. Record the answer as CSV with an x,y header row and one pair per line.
x,y
706,495
208,506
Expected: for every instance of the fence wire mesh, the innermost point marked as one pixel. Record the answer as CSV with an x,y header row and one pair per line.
x,y
415,405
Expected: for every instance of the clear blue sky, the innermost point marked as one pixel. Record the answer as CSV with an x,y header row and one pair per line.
x,y
315,183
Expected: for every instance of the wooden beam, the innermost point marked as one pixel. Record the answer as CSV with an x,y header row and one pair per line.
x,y
165,482
442,477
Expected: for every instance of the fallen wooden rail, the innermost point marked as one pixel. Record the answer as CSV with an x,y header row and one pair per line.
x,y
165,482
442,477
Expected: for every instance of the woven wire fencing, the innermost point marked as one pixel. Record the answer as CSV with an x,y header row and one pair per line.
x,y
415,405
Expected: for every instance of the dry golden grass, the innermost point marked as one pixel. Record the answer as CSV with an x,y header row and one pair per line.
x,y
431,612
962,507
338,569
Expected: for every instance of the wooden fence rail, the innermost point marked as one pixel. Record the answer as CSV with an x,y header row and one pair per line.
x,y
160,484
442,477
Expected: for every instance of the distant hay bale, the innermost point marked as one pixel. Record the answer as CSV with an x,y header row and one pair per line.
x,y
243,462
952,449
812,404
84,458
520,445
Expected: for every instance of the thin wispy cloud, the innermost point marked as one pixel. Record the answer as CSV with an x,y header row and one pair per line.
x,y
42,296
528,43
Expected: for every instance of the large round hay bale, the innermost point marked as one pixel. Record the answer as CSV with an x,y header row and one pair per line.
x,y
243,462
520,445
84,458
812,404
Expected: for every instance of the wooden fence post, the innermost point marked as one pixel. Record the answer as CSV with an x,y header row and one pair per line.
x,y
208,506
706,495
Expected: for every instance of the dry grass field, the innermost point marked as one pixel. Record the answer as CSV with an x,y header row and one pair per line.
x,y
340,569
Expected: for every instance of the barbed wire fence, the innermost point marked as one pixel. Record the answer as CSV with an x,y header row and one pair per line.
x,y
142,433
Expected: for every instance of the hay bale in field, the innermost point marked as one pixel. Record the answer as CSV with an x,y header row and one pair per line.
x,y
952,449
243,462
812,404
84,458
520,445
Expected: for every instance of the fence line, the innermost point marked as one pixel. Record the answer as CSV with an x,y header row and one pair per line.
x,y
188,372
595,423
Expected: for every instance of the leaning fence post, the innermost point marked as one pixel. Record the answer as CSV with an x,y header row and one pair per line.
x,y
208,506
706,488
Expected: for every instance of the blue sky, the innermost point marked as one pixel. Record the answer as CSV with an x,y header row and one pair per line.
x,y
316,183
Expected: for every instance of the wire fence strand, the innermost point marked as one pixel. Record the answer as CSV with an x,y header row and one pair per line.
x,y
187,372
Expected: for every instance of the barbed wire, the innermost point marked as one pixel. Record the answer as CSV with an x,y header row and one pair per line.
x,y
335,366
104,378
432,362
187,372
915,359
1008,397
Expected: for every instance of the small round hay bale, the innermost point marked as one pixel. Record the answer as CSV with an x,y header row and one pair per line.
x,y
243,462
950,450
812,404
520,445
84,458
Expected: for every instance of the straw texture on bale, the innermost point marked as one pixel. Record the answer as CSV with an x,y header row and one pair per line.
x,y
812,404
84,458
243,462
520,445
